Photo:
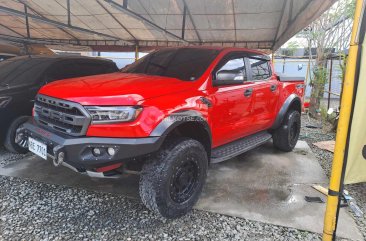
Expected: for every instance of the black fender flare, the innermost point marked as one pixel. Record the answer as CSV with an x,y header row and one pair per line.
x,y
285,107
176,119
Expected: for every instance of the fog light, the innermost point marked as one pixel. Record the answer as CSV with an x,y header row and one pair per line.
x,y
111,151
96,151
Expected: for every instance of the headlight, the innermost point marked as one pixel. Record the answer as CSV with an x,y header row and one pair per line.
x,y
4,101
113,114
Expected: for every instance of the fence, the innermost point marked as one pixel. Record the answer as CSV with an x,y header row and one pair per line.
x,y
300,68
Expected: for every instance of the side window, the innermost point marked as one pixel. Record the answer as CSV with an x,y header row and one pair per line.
x,y
234,66
260,68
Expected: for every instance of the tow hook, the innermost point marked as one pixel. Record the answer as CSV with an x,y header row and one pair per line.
x,y
59,156
59,159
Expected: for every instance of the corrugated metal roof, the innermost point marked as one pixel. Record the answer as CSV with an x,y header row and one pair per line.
x,y
261,24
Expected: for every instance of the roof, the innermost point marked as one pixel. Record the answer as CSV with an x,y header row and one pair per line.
x,y
264,24
55,58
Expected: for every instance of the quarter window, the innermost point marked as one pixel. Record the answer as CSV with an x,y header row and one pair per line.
x,y
260,68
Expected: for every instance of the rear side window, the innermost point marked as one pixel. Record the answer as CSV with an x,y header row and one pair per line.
x,y
260,68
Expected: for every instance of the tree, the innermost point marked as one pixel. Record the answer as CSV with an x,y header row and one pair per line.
x,y
330,33
291,48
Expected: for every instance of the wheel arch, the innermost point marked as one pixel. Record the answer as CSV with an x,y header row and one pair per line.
x,y
293,102
189,124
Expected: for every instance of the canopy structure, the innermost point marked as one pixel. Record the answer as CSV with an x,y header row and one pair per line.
x,y
264,24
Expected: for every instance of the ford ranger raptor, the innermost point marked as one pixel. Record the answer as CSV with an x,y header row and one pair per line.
x,y
167,117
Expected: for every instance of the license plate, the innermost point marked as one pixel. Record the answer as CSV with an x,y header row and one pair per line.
x,y
37,148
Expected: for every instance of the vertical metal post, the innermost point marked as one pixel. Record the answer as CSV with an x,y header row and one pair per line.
x,y
68,12
125,3
26,20
136,52
184,20
330,81
336,182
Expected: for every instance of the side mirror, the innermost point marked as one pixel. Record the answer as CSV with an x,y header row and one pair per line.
x,y
227,77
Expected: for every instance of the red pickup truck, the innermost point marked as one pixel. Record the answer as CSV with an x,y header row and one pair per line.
x,y
166,116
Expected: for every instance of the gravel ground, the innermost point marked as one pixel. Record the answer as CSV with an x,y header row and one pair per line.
x,y
310,135
7,157
37,211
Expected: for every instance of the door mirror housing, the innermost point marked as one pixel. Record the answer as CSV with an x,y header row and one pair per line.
x,y
227,77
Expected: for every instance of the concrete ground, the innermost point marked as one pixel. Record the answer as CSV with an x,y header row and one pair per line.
x,y
262,185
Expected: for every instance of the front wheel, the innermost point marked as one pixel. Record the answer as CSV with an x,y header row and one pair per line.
x,y
13,142
285,137
171,181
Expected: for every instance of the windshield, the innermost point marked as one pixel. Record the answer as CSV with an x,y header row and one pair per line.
x,y
181,63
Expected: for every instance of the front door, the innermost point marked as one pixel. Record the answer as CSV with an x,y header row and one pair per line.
x,y
232,104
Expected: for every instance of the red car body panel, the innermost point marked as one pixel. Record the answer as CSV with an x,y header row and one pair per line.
x,y
231,116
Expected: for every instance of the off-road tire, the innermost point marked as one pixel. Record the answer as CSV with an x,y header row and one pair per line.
x,y
160,170
285,137
9,141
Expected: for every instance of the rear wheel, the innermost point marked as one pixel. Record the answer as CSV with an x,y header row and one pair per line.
x,y
285,137
13,142
171,182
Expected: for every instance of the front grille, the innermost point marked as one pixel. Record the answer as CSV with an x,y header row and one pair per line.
x,y
63,116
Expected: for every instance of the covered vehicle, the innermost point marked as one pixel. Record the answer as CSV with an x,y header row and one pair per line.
x,y
22,77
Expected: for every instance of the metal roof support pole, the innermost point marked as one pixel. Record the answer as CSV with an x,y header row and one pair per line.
x,y
184,20
11,30
68,13
143,19
136,51
56,23
125,3
26,20
330,81
193,23
115,19
279,22
63,30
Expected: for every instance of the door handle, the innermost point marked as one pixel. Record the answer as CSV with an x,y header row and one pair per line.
x,y
273,87
248,92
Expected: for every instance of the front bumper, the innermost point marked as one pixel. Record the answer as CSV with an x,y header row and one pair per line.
x,y
78,150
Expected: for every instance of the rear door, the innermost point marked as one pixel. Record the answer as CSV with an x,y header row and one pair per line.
x,y
266,91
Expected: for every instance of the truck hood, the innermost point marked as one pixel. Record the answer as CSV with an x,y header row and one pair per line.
x,y
114,89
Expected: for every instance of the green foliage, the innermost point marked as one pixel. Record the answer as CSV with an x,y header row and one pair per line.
x,y
291,48
350,8
320,76
342,65
324,113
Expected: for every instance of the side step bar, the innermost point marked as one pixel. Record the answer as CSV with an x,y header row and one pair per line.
x,y
235,148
